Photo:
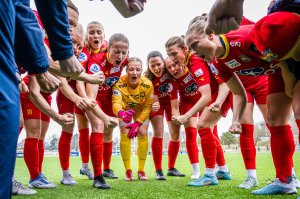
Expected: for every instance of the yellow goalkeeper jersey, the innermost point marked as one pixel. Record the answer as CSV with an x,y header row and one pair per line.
x,y
139,99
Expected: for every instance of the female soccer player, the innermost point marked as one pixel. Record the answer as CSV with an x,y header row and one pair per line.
x,y
157,73
111,63
132,98
234,52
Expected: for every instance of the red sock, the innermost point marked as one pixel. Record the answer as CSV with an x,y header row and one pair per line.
x,y
41,154
107,153
247,146
84,145
31,156
64,149
157,145
298,124
220,153
191,144
173,150
97,152
209,148
282,148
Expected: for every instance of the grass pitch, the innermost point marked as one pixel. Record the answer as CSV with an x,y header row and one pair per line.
x,y
173,187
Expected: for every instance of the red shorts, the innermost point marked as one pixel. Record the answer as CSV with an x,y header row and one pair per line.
x,y
106,105
185,107
165,110
225,106
79,111
276,83
256,88
64,105
30,111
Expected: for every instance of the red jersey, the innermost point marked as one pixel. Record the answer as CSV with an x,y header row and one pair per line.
x,y
241,56
162,88
188,88
100,62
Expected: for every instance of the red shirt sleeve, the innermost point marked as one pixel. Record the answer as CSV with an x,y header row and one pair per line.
x,y
173,90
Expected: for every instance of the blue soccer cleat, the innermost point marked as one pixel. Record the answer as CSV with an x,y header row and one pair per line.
x,y
276,187
206,180
223,175
41,182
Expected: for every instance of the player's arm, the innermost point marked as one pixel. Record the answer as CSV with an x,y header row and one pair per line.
x,y
128,8
222,95
39,101
147,106
116,99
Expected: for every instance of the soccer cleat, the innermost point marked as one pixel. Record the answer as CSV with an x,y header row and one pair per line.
x,y
206,180
68,180
41,182
223,175
276,187
100,183
129,176
87,172
142,176
249,183
19,189
159,175
195,174
175,172
295,181
109,174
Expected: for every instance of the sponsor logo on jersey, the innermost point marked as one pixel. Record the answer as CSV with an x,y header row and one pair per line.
x,y
192,88
82,57
111,81
245,58
235,43
122,85
251,72
116,93
145,85
103,63
115,69
269,55
95,68
187,79
232,64
198,72
163,78
213,69
165,88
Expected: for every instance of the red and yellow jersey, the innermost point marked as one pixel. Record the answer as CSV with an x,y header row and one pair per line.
x,y
162,88
241,56
187,87
87,54
100,62
139,99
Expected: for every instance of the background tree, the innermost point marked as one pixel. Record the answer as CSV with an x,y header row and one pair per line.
x,y
228,138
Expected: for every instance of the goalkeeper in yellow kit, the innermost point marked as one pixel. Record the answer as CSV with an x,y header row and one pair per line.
x,y
132,99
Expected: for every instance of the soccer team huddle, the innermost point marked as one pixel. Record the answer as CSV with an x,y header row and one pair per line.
x,y
202,77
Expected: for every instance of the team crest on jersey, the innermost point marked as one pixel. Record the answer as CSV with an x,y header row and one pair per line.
x,y
95,68
82,57
213,69
187,79
245,58
111,81
198,72
269,55
251,72
165,88
232,64
163,78
115,69
116,93
192,88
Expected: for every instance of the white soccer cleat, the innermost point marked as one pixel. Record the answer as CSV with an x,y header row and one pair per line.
x,y
19,189
249,183
68,180
41,182
196,174
295,181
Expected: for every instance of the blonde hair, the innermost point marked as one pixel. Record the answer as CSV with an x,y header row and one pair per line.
x,y
135,59
197,25
117,37
92,23
79,30
175,40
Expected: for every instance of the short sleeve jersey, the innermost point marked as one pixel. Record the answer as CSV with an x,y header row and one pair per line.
x,y
241,56
100,62
140,99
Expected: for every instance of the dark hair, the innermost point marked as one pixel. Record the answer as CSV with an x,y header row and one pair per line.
x,y
71,5
203,17
117,37
175,40
148,73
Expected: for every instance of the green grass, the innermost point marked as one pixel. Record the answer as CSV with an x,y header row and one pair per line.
x,y
171,188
